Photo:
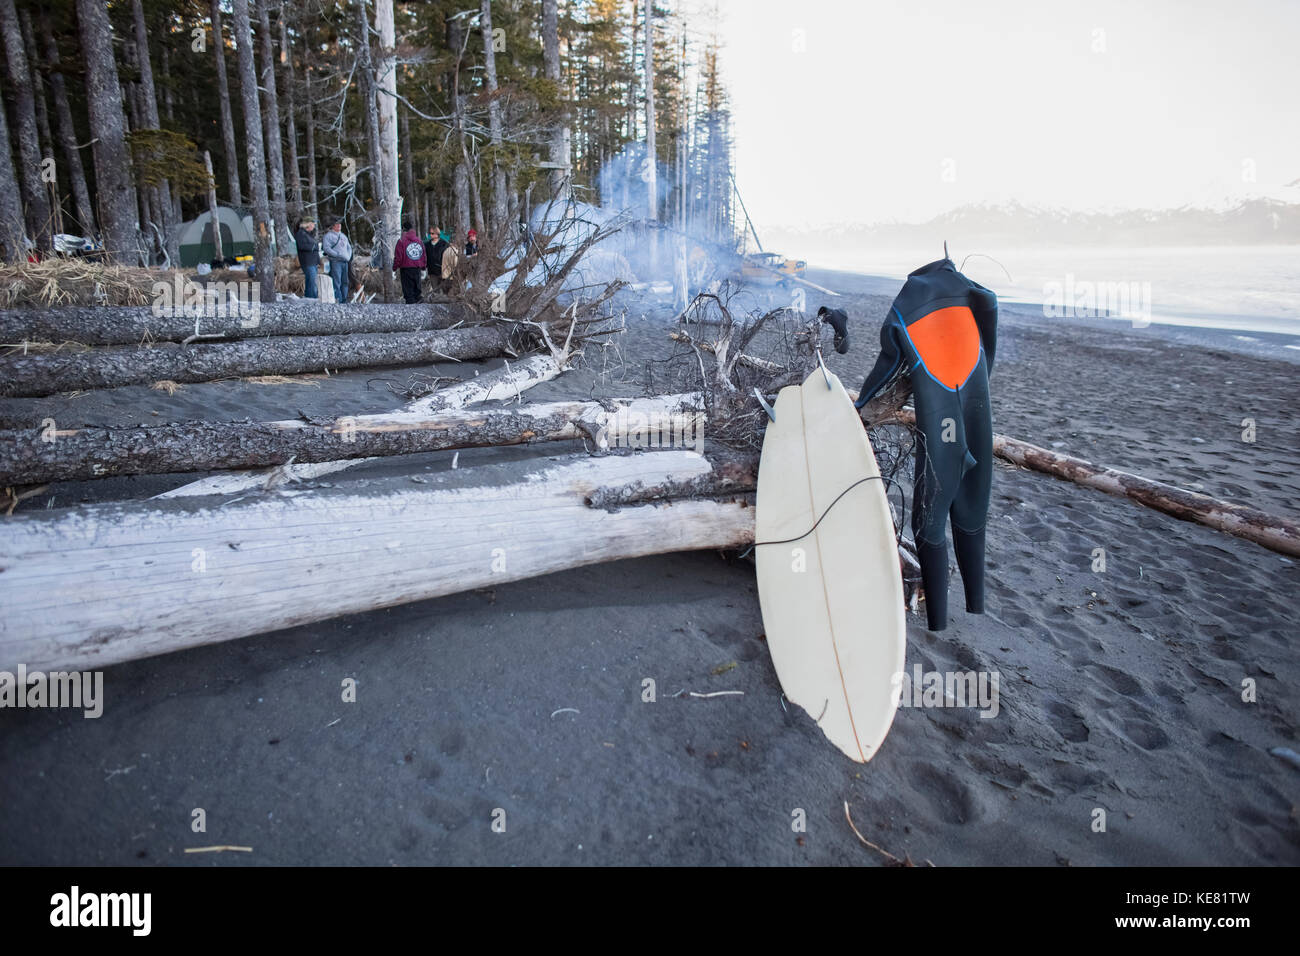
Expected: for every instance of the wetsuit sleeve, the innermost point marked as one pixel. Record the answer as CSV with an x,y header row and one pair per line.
x,y
891,357
984,306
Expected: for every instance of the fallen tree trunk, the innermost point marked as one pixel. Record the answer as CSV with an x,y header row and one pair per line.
x,y
1272,531
89,587
79,454
40,374
132,325
499,385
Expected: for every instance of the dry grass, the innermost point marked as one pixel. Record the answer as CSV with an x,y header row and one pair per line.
x,y
168,386
56,282
27,348
289,277
285,380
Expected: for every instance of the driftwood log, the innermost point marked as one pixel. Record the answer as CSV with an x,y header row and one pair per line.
x,y
132,325
105,583
1272,531
46,373
78,454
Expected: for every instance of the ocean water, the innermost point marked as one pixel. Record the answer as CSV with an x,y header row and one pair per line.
x,y
1243,288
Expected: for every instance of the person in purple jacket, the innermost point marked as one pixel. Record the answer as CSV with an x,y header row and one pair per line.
x,y
409,260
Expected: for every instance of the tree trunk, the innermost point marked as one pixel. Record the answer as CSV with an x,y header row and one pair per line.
x,y
145,195
560,148
175,319
410,203
38,90
223,97
217,253
471,181
386,114
117,204
153,579
76,455
272,140
13,230
291,131
262,226
67,131
310,137
40,374
167,87
378,171
460,188
650,171
171,227
499,196
36,203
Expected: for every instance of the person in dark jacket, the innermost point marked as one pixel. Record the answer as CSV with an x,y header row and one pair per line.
x,y
942,330
308,256
471,244
409,260
838,320
435,258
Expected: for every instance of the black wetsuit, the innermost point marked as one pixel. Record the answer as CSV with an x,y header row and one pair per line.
x,y
944,327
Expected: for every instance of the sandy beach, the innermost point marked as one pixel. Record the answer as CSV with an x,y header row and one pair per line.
x,y
1120,690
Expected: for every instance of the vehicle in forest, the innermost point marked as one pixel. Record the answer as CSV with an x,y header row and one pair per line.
x,y
772,267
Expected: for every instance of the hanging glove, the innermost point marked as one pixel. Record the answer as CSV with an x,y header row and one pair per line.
x,y
838,320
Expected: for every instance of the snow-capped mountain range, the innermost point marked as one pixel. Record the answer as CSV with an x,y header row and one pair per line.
x,y
1254,220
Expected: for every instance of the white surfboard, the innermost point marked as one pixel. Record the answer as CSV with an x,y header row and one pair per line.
x,y
832,600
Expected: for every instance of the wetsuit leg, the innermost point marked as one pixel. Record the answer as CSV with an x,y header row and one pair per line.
x,y
931,499
971,504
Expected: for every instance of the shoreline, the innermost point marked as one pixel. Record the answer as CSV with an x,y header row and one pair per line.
x,y
1234,333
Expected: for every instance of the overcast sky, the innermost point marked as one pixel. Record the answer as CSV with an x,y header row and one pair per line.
x,y
882,110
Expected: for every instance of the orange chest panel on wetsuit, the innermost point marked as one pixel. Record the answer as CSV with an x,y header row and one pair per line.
x,y
948,343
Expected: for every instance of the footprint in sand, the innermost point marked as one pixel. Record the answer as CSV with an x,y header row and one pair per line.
x,y
1066,721
1118,681
1074,778
1224,651
452,743
951,800
998,771
451,816
1146,735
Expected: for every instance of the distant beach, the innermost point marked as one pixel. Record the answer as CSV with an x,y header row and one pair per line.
x,y
1242,288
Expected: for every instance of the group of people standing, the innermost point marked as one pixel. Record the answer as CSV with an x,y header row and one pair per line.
x,y
336,250
412,258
